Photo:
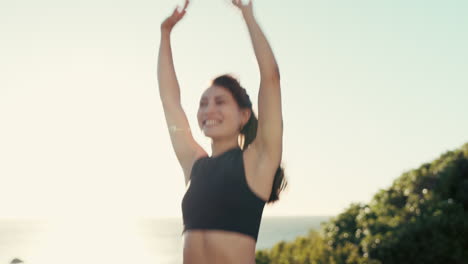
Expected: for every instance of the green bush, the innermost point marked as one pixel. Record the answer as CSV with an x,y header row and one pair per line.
x,y
421,218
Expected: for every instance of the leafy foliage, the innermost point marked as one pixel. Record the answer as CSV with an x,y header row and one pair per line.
x,y
421,218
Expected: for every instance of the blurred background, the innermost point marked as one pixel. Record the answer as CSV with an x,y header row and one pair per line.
x,y
370,90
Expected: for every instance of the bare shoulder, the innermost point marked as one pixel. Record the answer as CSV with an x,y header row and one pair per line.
x,y
260,169
262,157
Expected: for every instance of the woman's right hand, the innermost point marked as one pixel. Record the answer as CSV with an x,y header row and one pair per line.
x,y
169,23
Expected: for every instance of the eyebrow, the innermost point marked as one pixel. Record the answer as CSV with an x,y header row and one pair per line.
x,y
216,97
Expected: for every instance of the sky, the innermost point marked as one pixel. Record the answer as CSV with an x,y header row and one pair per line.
x,y
370,90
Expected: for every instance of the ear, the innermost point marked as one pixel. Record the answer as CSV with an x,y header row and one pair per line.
x,y
246,116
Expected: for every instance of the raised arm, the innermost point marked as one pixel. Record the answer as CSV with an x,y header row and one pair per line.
x,y
185,147
270,120
169,90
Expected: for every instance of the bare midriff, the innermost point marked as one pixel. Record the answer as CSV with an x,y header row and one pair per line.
x,y
218,246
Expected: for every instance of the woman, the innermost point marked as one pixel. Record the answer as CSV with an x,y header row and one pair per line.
x,y
222,208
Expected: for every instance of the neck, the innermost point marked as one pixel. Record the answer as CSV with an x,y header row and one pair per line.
x,y
218,148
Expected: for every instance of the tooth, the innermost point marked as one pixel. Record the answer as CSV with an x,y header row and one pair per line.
x,y
212,122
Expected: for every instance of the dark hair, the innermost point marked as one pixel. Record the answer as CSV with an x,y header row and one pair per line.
x,y
249,131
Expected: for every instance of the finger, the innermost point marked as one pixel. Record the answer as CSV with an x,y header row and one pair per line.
x,y
178,12
186,4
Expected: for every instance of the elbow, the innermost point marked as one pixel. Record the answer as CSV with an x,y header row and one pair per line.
x,y
276,73
273,75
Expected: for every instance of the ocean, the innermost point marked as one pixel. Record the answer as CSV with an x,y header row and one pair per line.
x,y
117,241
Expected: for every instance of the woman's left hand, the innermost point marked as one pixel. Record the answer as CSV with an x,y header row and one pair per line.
x,y
246,9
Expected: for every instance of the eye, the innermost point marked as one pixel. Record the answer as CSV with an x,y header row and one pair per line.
x,y
220,102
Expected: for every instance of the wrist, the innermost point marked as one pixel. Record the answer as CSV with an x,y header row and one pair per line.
x,y
248,16
166,31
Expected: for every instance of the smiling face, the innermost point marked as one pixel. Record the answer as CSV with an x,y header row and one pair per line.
x,y
219,114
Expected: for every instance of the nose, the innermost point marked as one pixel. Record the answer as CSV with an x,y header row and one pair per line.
x,y
209,107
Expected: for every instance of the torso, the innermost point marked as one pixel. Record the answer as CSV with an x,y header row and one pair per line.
x,y
218,246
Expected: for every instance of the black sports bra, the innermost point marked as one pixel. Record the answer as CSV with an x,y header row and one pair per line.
x,y
219,198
